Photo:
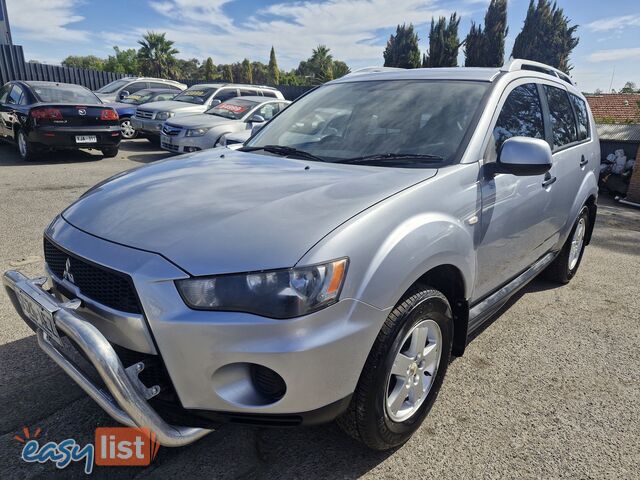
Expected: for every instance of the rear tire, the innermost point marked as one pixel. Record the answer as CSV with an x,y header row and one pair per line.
x,y
390,401
26,149
109,152
566,264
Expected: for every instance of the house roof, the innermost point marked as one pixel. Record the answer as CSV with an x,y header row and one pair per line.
x,y
619,132
615,107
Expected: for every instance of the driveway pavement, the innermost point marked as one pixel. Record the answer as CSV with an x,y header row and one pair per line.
x,y
549,389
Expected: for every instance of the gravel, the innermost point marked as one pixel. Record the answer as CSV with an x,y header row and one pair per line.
x,y
549,389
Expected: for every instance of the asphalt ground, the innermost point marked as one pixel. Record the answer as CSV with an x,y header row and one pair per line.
x,y
549,389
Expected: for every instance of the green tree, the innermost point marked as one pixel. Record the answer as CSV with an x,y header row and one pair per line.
x,y
475,46
228,73
318,68
546,36
340,69
402,49
157,55
274,71
79,61
443,43
495,32
247,71
629,87
259,73
123,61
209,70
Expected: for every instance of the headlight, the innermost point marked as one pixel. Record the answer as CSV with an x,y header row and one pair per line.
x,y
276,294
164,115
197,132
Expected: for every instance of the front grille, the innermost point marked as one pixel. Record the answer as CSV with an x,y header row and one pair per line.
x,y
144,114
168,146
107,287
169,130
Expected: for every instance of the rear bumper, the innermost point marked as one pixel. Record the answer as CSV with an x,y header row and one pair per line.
x,y
65,137
126,399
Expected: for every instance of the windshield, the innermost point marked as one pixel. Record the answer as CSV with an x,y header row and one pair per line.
x,y
65,94
380,120
198,96
138,98
233,109
113,86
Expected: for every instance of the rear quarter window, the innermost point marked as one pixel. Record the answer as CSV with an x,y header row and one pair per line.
x,y
582,116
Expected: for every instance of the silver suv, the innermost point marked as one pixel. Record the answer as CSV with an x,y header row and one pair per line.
x,y
332,266
123,87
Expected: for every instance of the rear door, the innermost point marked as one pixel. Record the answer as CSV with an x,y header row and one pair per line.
x,y
515,227
9,110
569,135
4,110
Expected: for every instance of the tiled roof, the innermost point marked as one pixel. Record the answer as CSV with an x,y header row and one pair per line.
x,y
616,107
619,132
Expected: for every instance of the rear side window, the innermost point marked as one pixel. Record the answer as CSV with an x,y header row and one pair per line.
x,y
4,93
582,116
226,94
521,116
563,123
135,87
269,93
15,95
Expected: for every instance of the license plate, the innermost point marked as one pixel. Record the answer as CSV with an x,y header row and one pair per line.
x,y
86,139
167,140
39,315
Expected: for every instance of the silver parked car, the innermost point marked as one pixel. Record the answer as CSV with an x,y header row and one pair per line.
x,y
310,276
123,87
150,118
191,133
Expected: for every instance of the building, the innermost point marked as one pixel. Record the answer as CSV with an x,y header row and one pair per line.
x,y
617,117
5,31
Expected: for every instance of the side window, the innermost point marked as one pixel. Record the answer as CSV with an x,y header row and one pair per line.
x,y
14,95
226,94
4,93
135,87
521,116
159,85
268,111
563,122
583,116
244,92
269,93
164,96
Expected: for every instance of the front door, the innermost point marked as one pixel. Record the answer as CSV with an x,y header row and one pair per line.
x,y
515,224
4,110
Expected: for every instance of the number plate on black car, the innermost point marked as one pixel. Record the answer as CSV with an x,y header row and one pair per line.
x,y
86,139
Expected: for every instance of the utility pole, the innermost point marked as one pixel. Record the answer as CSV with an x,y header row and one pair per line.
x,y
5,31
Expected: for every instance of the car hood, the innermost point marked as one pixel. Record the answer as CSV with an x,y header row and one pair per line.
x,y
198,121
225,211
172,106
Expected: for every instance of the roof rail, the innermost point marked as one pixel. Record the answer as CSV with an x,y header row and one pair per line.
x,y
373,70
519,64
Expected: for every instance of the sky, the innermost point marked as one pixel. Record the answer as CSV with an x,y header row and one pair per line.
x,y
356,31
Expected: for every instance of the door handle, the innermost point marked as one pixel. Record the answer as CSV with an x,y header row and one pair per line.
x,y
548,180
583,161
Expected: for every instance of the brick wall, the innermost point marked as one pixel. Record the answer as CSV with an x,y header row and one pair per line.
x,y
633,193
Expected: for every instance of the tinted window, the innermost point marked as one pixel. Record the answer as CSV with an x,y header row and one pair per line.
x,y
4,93
563,123
583,116
248,93
269,93
135,87
64,94
521,116
226,94
14,95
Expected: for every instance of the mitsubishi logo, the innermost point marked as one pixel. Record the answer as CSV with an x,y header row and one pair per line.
x,y
67,275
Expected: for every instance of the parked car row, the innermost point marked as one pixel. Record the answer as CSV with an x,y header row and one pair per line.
x,y
44,116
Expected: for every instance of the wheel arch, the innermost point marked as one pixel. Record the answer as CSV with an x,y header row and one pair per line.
x,y
593,210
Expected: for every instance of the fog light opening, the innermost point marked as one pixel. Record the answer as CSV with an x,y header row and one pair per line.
x,y
268,382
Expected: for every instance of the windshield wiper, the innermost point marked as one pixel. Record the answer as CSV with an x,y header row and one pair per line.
x,y
381,158
285,152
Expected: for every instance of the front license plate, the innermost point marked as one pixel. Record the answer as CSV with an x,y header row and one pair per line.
x,y
86,139
39,315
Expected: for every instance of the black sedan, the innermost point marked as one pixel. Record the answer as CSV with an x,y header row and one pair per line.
x,y
40,116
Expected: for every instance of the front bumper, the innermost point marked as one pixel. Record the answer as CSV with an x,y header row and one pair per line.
x,y
147,126
183,144
126,399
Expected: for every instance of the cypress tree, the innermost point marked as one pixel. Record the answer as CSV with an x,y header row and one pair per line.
x,y
247,72
402,49
475,47
495,32
274,71
228,73
209,70
443,43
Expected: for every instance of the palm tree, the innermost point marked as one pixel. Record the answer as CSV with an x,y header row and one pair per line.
x,y
156,54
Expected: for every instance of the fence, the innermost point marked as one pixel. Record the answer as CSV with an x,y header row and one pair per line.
x,y
14,67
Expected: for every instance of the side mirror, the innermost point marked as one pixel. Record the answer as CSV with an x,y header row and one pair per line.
x,y
123,94
256,119
215,102
255,128
524,156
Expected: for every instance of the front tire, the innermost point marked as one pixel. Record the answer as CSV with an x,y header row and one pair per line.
x,y
26,149
403,373
128,132
566,264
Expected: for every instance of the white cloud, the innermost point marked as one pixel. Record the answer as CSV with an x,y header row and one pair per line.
x,y
46,20
614,54
614,23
